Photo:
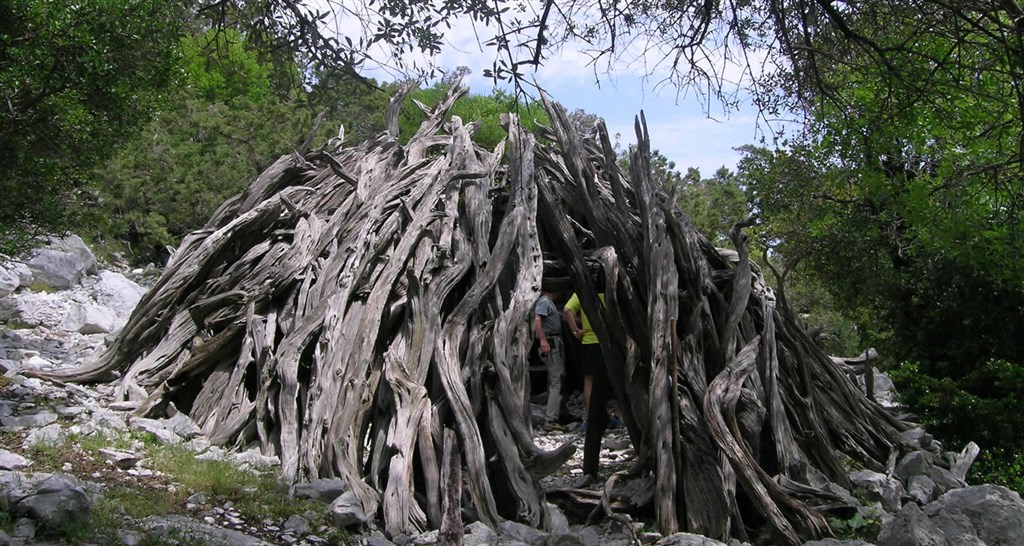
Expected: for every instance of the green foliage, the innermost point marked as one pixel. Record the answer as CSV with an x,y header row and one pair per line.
x,y
486,109
1001,467
959,404
177,170
865,524
979,403
861,230
831,329
222,68
74,78
357,104
713,204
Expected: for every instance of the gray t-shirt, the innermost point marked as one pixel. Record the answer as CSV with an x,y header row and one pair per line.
x,y
550,319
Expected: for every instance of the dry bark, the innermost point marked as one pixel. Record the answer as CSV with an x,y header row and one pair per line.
x,y
364,313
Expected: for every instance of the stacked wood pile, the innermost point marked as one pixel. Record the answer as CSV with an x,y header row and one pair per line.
x,y
363,312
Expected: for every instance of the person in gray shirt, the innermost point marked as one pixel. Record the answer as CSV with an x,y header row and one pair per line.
x,y
547,326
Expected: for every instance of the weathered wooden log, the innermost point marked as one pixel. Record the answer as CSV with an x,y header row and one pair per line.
x,y
451,530
363,313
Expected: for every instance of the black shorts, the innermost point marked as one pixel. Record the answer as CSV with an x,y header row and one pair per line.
x,y
590,358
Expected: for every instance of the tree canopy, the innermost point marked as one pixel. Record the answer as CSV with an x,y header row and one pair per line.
x,y
74,77
900,194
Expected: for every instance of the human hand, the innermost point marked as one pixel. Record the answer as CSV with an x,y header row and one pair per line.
x,y
545,347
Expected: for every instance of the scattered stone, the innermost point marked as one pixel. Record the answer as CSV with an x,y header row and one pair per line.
x,y
29,420
34,309
429,537
55,500
254,459
346,511
129,538
916,438
879,487
688,539
524,533
107,420
479,534
589,535
36,363
559,523
158,428
197,498
185,529
121,459
9,281
48,435
378,540
565,538
86,318
911,527
71,411
915,463
298,524
323,490
182,425
838,542
922,489
127,405
117,293
62,263
992,513
24,528
12,461
944,479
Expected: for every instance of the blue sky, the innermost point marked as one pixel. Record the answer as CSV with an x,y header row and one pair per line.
x,y
683,128
679,126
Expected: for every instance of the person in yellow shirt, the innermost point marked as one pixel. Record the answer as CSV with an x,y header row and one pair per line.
x,y
579,324
595,384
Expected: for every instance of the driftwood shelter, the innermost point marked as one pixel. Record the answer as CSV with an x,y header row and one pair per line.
x,y
363,312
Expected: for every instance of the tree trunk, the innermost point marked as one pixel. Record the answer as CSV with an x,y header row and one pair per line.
x,y
364,313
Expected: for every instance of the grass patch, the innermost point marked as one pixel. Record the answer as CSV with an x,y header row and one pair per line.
x,y
38,286
16,325
50,456
137,503
129,441
253,494
128,498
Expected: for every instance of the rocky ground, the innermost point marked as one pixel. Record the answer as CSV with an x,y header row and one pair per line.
x,y
54,471
77,467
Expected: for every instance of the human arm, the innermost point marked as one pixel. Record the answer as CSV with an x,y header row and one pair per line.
x,y
545,346
574,325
